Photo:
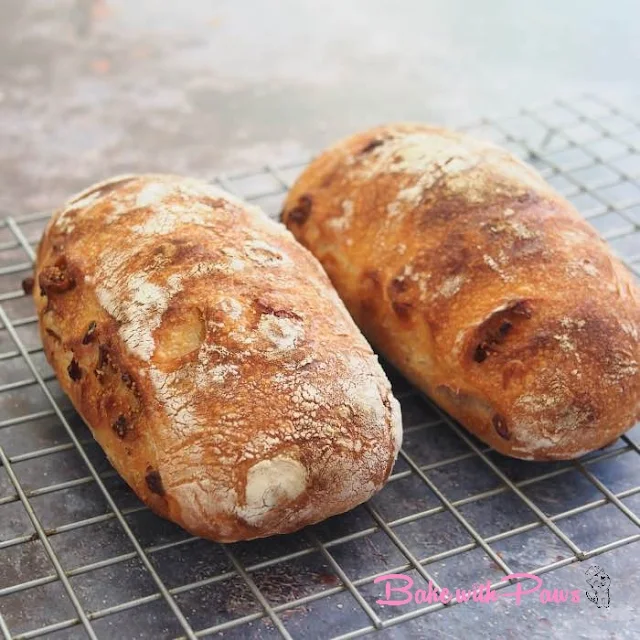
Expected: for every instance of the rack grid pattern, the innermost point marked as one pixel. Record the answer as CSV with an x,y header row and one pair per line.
x,y
81,556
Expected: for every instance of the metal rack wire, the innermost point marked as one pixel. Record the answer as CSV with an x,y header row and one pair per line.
x,y
80,556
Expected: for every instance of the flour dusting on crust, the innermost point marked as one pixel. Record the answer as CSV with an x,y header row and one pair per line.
x,y
269,484
282,333
253,396
451,286
132,299
264,254
175,403
432,157
167,219
342,221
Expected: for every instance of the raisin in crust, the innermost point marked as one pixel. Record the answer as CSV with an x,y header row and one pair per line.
x,y
480,283
211,358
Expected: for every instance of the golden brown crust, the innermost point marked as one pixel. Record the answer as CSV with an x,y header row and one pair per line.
x,y
211,358
480,283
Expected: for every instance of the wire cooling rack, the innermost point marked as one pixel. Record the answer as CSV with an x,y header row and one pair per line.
x,y
81,556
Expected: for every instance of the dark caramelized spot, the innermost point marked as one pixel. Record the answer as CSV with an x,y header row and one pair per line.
x,y
398,285
154,482
400,295
522,308
127,379
402,309
302,210
55,279
103,361
500,425
27,285
74,370
130,383
120,426
88,336
493,339
371,145
53,334
495,329
480,354
505,327
266,309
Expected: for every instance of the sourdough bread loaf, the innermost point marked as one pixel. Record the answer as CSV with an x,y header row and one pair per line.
x,y
480,283
211,358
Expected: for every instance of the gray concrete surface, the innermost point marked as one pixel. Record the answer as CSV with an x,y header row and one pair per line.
x,y
93,87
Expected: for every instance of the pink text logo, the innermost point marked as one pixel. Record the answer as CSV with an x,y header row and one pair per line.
x,y
403,593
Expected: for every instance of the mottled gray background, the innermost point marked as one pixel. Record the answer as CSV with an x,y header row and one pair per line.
x,y
93,87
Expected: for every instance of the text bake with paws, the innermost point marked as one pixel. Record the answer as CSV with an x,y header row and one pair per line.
x,y
212,359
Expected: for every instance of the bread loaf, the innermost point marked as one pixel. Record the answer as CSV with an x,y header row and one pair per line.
x,y
480,283
211,358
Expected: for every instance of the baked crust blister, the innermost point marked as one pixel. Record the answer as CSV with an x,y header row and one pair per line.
x,y
480,283
211,358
